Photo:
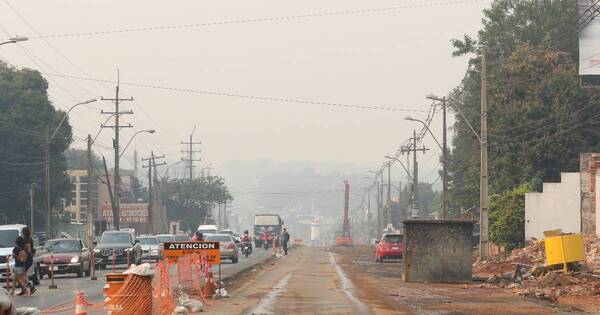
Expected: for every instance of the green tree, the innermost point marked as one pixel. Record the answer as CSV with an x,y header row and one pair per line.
x,y
26,115
539,119
192,202
507,217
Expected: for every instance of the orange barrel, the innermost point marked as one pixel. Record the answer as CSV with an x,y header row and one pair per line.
x,y
114,282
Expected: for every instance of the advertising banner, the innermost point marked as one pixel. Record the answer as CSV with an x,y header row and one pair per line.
x,y
589,38
130,213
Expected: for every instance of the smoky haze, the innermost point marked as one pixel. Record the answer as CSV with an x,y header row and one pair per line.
x,y
386,58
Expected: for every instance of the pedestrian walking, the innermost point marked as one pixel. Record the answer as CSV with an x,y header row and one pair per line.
x,y
19,272
30,249
285,238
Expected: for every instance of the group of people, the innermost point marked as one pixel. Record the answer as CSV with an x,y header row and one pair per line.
x,y
23,253
279,241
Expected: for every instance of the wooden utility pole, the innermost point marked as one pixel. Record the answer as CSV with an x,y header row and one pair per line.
x,y
110,192
117,127
389,193
483,190
48,205
415,179
151,196
190,154
90,213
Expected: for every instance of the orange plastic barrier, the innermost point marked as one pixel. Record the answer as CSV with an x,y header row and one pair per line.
x,y
133,298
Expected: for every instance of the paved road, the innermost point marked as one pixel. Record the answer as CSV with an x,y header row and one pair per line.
x,y
68,285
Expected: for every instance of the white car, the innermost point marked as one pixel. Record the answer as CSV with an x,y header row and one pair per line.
x,y
150,247
8,236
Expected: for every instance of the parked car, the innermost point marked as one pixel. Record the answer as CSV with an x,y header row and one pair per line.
x,y
208,229
70,256
390,246
121,244
162,238
150,248
228,248
8,236
182,238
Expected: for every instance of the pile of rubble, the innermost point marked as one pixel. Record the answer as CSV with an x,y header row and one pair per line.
x,y
530,255
524,272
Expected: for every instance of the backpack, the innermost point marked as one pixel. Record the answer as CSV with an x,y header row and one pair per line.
x,y
22,256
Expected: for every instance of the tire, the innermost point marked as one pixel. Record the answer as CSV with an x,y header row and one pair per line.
x,y
246,253
376,258
234,260
80,271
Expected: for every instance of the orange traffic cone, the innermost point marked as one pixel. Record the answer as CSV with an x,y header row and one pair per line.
x,y
80,304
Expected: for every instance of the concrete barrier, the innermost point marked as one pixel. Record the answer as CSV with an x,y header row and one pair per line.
x,y
437,251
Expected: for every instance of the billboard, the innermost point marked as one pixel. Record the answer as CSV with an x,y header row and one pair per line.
x,y
130,213
589,38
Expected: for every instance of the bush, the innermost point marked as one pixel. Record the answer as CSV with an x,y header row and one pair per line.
x,y
507,217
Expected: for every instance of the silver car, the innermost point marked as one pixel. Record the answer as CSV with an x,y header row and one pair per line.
x,y
229,249
150,247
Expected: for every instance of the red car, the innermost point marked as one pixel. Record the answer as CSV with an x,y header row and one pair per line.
x,y
70,256
390,246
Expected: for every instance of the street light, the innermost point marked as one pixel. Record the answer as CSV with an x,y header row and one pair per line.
x,y
135,134
14,40
48,143
444,157
402,164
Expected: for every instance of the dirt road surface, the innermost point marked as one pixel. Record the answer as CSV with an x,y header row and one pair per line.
x,y
348,281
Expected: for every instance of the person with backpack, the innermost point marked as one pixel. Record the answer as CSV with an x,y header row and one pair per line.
x,y
30,253
20,255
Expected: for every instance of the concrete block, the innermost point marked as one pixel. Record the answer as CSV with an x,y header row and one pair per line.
x,y
438,251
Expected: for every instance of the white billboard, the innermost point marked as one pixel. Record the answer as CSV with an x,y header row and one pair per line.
x,y
589,38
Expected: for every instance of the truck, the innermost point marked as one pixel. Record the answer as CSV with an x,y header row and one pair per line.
x,y
272,223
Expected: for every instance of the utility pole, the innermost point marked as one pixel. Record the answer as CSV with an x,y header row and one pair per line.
x,y
415,187
90,213
31,188
483,197
151,165
225,217
445,161
110,191
190,154
117,127
379,216
48,205
389,193
369,214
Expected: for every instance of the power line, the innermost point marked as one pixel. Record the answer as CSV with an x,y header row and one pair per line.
x,y
258,20
252,97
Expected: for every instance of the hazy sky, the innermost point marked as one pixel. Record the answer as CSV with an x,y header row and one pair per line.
x,y
388,58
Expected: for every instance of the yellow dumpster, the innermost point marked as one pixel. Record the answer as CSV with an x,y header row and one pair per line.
x,y
564,249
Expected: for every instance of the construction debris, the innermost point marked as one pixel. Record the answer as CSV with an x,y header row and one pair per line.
x,y
523,271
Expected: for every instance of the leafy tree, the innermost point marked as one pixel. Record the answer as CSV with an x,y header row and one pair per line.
x,y
539,119
507,217
192,202
26,115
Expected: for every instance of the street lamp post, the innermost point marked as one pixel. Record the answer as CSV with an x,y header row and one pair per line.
x,y
135,134
48,142
14,40
444,159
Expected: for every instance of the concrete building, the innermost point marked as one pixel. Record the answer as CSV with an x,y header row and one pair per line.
x,y
569,205
76,203
556,207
